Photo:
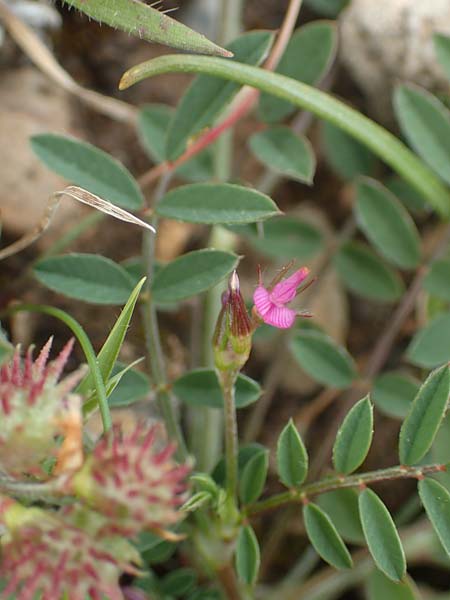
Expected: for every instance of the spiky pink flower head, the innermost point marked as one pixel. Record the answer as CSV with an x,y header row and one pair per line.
x,y
35,409
133,482
270,303
233,334
46,555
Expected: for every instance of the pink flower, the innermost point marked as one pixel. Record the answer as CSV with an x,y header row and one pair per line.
x,y
270,303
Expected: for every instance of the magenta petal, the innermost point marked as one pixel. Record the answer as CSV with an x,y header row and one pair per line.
x,y
261,298
280,316
286,290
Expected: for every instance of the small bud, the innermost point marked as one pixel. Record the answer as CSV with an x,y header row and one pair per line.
x,y
232,338
133,484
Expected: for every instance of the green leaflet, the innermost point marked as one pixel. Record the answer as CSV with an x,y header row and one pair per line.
x,y
422,423
381,536
429,346
87,277
201,387
324,537
280,149
323,359
292,458
150,24
387,224
88,167
364,273
436,501
354,438
425,121
215,204
191,274
247,556
253,477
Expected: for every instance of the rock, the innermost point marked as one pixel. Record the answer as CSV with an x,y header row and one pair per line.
x,y
30,104
388,41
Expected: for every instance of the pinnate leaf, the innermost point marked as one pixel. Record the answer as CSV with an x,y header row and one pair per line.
x,y
354,438
323,359
292,458
436,500
325,539
247,555
192,274
86,277
88,167
201,387
381,536
215,204
387,224
280,149
425,121
253,477
364,273
427,411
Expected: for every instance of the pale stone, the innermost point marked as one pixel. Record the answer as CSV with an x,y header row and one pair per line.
x,y
30,105
385,42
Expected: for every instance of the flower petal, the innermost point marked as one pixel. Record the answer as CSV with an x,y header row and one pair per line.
x,y
261,298
280,316
286,290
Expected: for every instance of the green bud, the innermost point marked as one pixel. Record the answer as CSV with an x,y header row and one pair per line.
x,y
232,340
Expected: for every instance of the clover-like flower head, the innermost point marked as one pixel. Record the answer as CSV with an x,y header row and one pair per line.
x,y
35,409
44,553
132,482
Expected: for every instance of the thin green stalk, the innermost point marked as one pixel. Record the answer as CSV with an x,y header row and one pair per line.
x,y
153,338
86,346
336,483
379,140
206,424
228,380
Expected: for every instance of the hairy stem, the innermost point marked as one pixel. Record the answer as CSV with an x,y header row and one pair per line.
x,y
305,492
227,381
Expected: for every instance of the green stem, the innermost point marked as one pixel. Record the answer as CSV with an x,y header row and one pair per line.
x,y
31,490
227,381
86,346
375,137
153,338
336,483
